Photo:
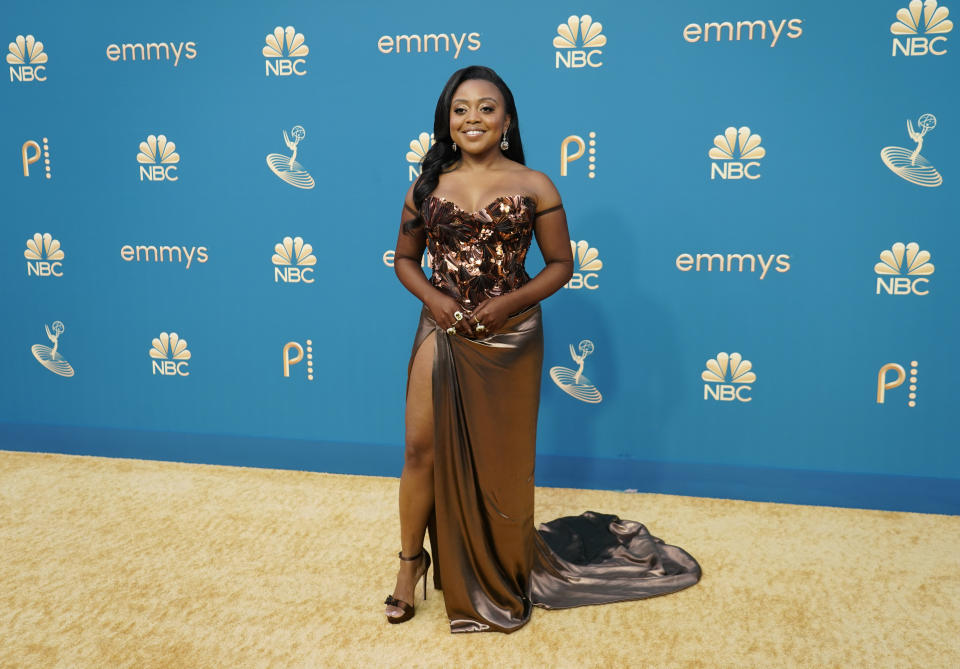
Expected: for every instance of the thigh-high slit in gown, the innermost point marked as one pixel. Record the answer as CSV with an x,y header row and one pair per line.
x,y
490,561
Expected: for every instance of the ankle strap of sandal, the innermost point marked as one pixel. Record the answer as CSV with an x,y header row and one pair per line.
x,y
415,557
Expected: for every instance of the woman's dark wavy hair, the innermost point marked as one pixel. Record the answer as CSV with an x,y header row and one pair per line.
x,y
441,155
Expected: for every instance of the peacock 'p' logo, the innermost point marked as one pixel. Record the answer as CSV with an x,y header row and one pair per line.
x,y
169,355
722,372
286,52
578,42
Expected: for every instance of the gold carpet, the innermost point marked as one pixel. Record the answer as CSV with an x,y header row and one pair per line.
x,y
132,563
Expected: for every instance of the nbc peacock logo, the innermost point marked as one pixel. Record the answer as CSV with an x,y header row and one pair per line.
x,y
287,167
51,358
903,269
418,151
920,29
158,159
586,262
285,53
907,163
574,382
27,59
728,377
578,43
293,261
736,154
169,355
44,256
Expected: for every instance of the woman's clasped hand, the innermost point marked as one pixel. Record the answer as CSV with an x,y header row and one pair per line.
x,y
484,321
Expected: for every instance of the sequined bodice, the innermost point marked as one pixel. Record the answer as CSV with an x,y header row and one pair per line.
x,y
481,254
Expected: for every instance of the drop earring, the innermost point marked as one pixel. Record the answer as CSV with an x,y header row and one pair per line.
x,y
454,144
504,144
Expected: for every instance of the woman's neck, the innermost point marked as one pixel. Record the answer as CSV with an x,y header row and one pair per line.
x,y
489,160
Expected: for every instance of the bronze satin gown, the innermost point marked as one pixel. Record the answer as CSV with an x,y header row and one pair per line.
x,y
490,561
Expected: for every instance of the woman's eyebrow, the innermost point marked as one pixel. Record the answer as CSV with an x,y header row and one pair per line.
x,y
493,100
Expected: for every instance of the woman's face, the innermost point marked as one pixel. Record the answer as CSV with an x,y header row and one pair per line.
x,y
478,116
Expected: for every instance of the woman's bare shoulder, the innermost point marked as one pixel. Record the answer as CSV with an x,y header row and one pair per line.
x,y
541,187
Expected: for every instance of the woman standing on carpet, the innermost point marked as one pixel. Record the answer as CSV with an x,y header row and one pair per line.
x,y
473,389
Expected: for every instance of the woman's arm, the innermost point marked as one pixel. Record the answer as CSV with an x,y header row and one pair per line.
x,y
406,264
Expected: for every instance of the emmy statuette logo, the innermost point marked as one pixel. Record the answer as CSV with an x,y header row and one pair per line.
x,y
727,378
575,383
418,151
582,32
285,53
736,155
158,159
31,152
587,263
169,355
293,354
566,157
908,164
287,167
293,261
50,357
27,59
885,383
921,29
44,256
903,270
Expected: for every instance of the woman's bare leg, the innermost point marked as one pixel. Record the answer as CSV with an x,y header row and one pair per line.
x,y
416,481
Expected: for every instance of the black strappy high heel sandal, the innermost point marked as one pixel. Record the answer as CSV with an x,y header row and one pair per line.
x,y
409,609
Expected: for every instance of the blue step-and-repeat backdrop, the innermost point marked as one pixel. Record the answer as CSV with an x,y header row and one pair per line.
x,y
200,203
